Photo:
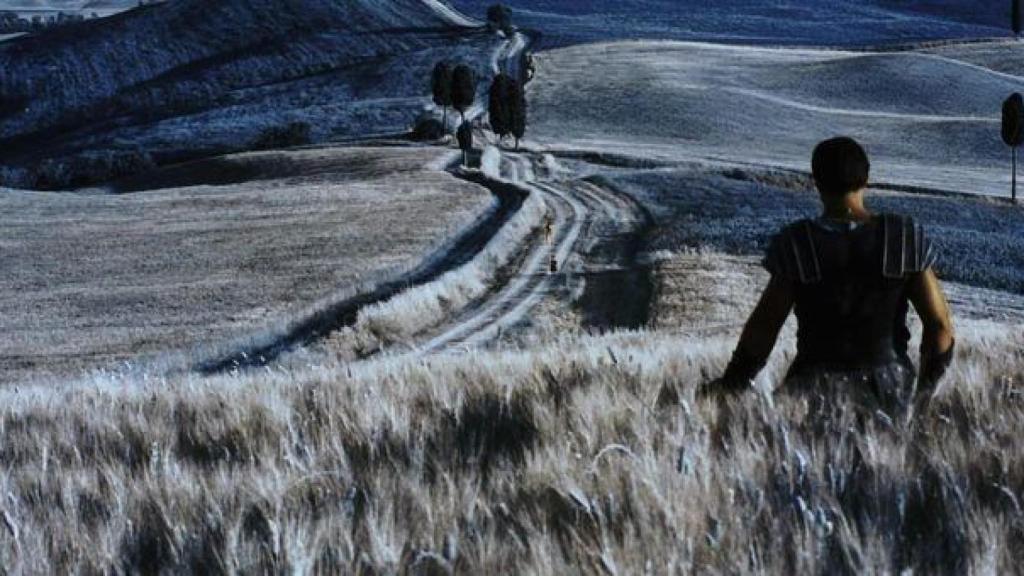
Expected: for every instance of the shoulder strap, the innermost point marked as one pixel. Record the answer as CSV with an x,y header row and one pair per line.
x,y
802,252
905,249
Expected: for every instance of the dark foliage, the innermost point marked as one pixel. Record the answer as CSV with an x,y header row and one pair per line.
x,y
519,113
441,87
88,168
1013,120
427,129
501,103
463,88
499,17
233,67
465,136
294,134
1016,17
11,23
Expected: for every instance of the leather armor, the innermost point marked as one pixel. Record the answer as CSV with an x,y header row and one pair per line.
x,y
851,286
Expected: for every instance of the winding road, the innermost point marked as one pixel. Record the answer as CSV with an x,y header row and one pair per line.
x,y
596,233
591,224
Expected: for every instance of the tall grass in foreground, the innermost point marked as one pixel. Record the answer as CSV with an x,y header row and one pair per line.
x,y
590,457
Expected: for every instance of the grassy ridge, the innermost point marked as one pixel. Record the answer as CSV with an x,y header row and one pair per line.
x,y
586,457
195,78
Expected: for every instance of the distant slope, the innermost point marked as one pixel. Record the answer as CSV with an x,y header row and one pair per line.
x,y
927,121
809,22
103,7
175,76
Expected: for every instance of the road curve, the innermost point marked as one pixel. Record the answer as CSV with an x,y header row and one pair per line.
x,y
530,282
581,213
345,313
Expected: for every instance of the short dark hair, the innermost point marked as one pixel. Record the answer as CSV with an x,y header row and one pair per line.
x,y
840,165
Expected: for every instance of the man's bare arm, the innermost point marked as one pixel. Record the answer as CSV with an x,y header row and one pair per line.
x,y
758,338
938,338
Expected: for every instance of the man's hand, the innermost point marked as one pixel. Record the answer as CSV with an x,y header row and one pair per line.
x,y
756,343
723,387
738,378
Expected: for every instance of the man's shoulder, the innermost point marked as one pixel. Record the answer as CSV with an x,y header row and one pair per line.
x,y
896,219
794,226
907,249
792,254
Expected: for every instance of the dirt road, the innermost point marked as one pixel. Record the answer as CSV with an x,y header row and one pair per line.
x,y
596,239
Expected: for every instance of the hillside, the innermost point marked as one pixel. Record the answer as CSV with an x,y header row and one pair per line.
x,y
91,280
792,22
193,76
928,121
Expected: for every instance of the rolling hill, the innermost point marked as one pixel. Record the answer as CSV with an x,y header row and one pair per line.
x,y
787,22
193,77
928,120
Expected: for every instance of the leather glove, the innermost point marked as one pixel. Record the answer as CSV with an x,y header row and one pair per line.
x,y
738,378
934,367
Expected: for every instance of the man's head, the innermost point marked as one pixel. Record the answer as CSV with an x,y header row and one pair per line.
x,y
840,166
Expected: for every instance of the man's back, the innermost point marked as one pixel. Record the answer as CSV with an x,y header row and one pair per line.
x,y
850,276
850,285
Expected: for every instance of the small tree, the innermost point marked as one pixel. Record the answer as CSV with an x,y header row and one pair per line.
x,y
465,137
441,86
527,67
1013,133
499,17
1015,15
519,113
502,99
463,89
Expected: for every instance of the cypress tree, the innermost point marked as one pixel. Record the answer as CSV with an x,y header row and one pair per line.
x,y
441,86
502,99
1015,15
499,17
463,89
519,113
465,138
1013,133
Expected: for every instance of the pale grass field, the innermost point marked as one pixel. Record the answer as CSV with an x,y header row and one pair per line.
x,y
93,279
589,455
577,454
926,120
399,321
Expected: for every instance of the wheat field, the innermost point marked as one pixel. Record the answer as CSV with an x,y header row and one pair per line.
x,y
590,456
91,280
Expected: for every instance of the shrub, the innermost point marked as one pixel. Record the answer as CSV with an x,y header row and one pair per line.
x,y
89,168
287,136
13,177
427,129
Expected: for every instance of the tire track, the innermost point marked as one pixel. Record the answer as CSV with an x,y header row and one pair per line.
x,y
533,281
603,228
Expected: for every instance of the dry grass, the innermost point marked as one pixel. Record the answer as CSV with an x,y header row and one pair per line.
x,y
589,457
925,121
582,455
92,279
398,321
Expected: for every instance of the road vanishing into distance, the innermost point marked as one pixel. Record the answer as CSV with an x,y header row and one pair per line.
x,y
595,240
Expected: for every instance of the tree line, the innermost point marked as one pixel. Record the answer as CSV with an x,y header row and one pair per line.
x,y
455,87
11,23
